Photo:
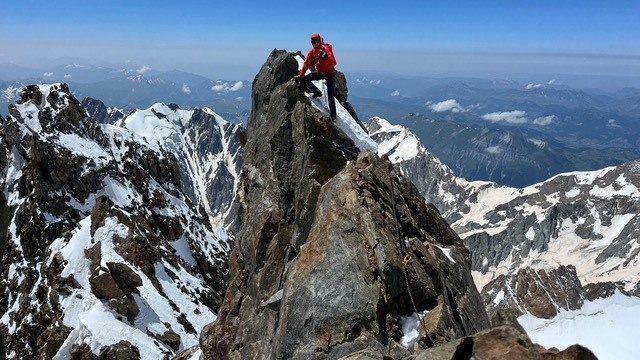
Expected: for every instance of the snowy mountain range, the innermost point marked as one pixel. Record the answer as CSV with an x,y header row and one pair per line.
x,y
515,131
118,224
103,249
129,88
586,220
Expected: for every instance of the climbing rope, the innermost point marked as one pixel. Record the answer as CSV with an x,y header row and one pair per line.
x,y
406,259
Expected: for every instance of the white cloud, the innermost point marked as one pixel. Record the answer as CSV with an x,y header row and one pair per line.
x,y
533,86
224,86
144,69
237,86
493,150
545,120
537,142
552,81
395,93
447,105
511,117
186,89
47,74
67,76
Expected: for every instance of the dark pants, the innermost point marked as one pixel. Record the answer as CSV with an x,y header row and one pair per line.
x,y
330,79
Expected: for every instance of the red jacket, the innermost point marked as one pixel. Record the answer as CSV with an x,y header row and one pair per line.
x,y
324,64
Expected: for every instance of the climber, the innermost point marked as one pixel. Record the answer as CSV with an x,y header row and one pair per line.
x,y
320,55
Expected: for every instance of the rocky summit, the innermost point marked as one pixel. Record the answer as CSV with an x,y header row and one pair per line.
x,y
337,249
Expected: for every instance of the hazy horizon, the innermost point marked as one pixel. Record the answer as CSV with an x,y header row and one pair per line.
x,y
233,40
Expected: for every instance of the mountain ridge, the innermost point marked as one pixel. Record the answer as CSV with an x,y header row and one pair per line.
x,y
483,212
596,134
100,240
121,304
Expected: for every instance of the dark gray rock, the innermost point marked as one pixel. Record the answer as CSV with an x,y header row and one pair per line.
x,y
99,111
104,286
3,348
127,307
82,352
51,339
170,338
123,350
334,245
125,277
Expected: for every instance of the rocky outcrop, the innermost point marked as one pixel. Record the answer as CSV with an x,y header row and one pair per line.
x,y
100,112
497,343
573,352
501,342
541,293
335,246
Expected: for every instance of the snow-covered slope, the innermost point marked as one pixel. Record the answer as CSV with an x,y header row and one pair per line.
x,y
102,251
436,182
206,146
606,325
587,220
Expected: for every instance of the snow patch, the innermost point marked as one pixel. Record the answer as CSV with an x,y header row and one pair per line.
x,y
410,326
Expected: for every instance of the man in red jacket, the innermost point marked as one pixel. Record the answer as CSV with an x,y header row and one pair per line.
x,y
321,56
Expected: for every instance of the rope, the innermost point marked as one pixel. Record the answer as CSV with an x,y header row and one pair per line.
x,y
406,259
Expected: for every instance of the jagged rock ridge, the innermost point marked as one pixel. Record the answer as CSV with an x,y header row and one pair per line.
x,y
326,234
102,252
207,148
371,188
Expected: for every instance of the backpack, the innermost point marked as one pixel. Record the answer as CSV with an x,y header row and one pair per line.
x,y
328,49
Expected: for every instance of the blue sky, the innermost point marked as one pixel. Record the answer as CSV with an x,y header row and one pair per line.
x,y
407,37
